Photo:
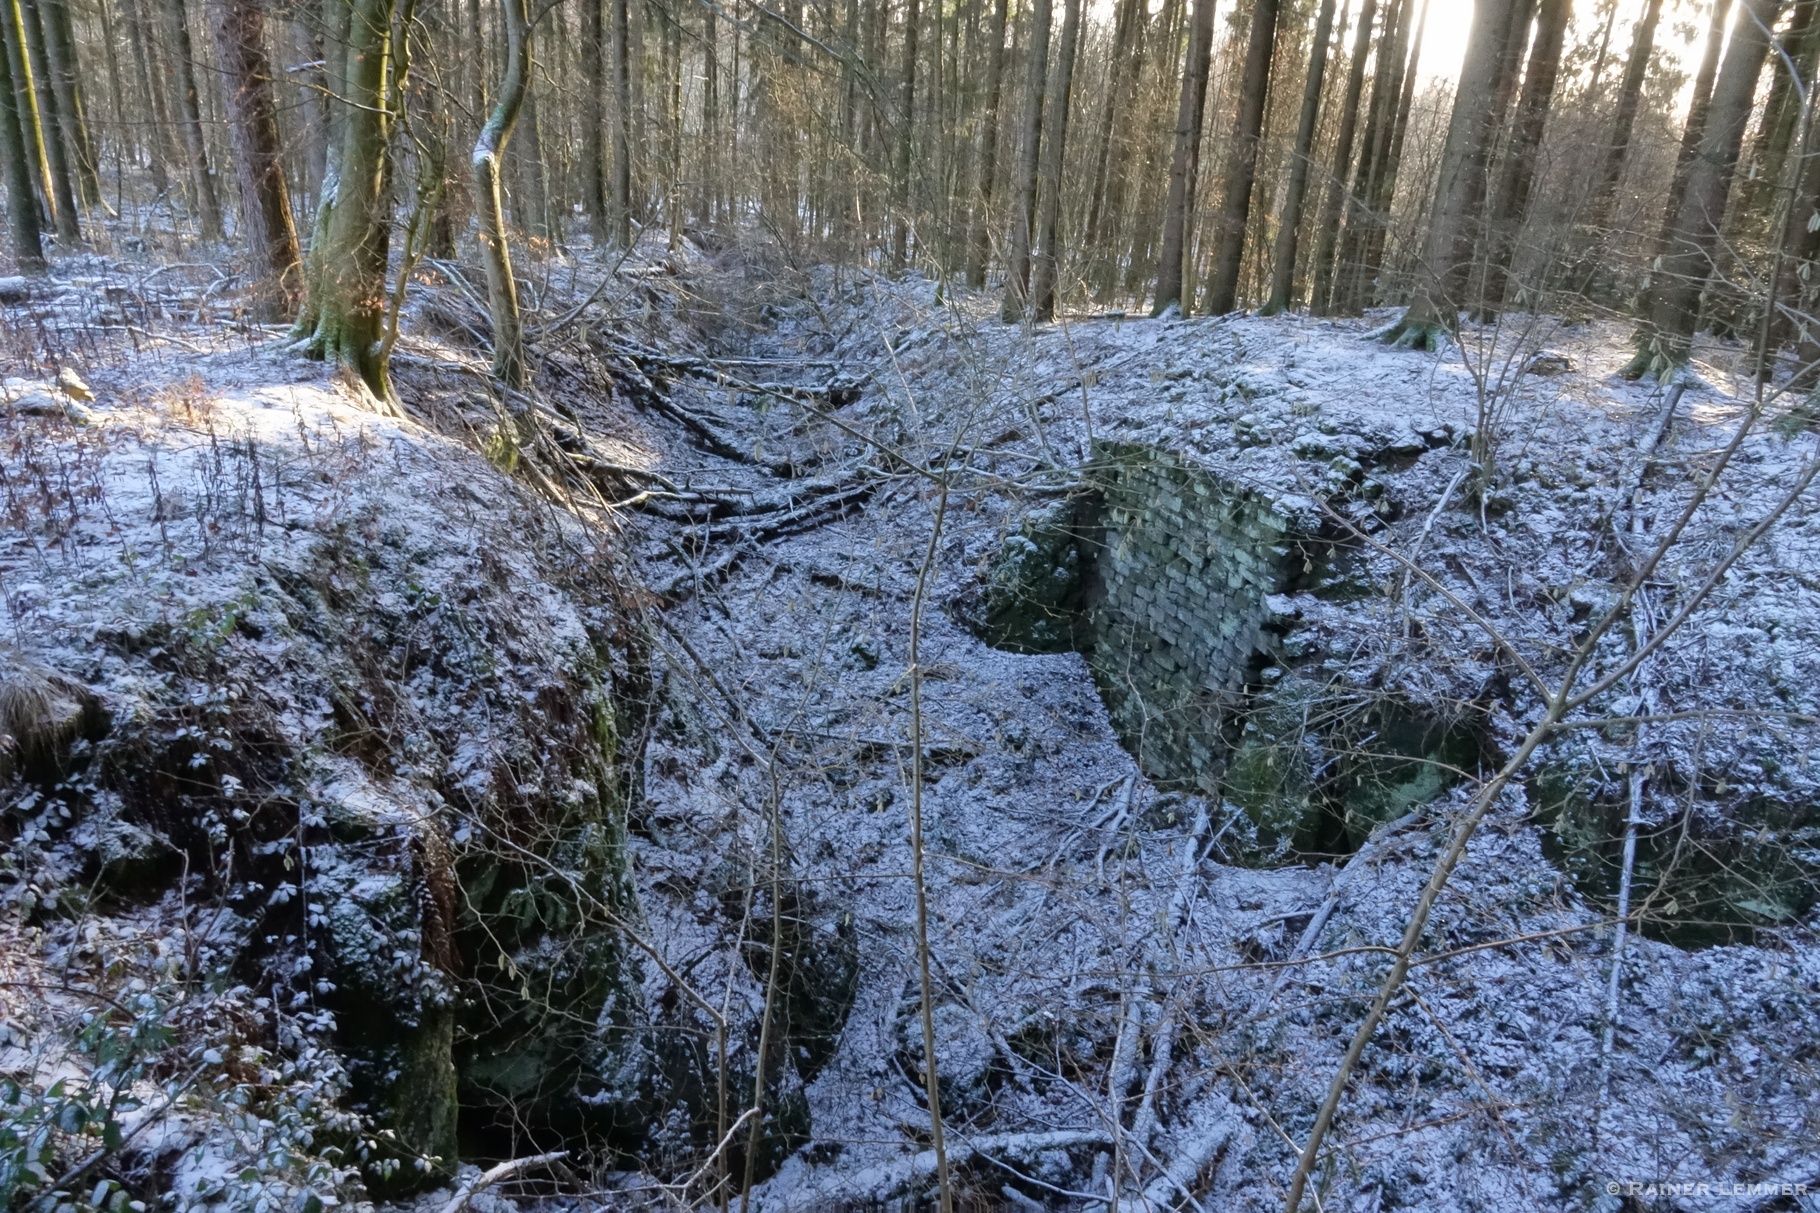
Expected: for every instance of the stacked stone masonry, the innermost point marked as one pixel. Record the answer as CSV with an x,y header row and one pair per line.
x,y
1180,615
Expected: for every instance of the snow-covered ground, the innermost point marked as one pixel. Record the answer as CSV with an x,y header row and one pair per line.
x,y
1114,1018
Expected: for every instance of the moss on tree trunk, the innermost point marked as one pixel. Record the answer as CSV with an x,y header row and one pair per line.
x,y
343,318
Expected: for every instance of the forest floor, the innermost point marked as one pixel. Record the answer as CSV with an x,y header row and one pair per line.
x,y
1124,1005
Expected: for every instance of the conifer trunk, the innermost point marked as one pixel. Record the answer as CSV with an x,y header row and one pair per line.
x,y
1185,162
1510,203
593,89
1374,180
1333,207
1127,60
1630,91
620,200
1690,240
1289,224
906,123
66,85
55,133
1471,128
1242,159
31,121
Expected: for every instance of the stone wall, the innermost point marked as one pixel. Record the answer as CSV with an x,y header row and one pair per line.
x,y
1180,612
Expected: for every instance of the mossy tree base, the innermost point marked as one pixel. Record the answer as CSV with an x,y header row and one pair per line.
x,y
1658,357
1412,333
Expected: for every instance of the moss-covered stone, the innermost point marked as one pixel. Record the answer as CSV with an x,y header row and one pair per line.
x,y
1702,875
1033,591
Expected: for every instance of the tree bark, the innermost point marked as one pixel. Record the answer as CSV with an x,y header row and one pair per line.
x,y
620,208
1242,159
21,198
344,313
31,120
208,206
265,203
1461,188
1781,112
502,288
593,89
1374,180
1691,239
1333,207
1510,204
1023,194
1289,223
1185,163
55,131
1055,104
906,127
1127,60
979,241
151,99
65,78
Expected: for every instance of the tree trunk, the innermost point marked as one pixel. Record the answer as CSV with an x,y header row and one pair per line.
x,y
906,123
1461,188
1611,170
1334,206
593,89
1023,194
1691,239
1242,159
1055,104
979,240
21,198
208,206
620,201
1289,223
502,288
1374,180
1184,165
344,313
31,120
151,100
1127,50
1510,205
1792,318
55,131
65,79
710,116
1782,111
265,203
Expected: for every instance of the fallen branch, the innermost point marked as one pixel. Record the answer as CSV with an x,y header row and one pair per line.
x,y
509,1169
